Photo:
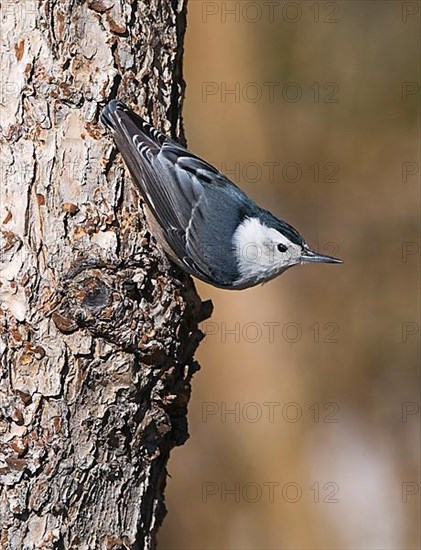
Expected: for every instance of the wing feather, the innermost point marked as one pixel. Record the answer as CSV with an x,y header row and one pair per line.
x,y
187,196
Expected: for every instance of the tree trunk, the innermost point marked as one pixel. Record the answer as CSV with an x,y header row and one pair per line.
x,y
98,329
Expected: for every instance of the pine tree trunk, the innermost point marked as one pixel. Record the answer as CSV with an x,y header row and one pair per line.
x,y
98,330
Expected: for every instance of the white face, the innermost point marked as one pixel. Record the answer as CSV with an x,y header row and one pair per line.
x,y
262,252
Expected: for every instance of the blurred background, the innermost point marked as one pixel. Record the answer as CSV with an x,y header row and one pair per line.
x,y
304,419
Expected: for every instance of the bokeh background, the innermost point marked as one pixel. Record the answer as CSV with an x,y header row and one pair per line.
x,y
319,368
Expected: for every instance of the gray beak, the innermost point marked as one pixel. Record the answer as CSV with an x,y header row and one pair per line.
x,y
309,256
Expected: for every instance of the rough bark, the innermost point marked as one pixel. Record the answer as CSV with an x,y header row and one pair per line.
x,y
98,329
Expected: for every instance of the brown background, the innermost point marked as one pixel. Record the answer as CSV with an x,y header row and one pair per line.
x,y
350,362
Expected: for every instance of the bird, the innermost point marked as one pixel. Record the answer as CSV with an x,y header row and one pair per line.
x,y
203,221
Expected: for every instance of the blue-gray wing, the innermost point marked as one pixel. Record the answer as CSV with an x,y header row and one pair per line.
x,y
197,207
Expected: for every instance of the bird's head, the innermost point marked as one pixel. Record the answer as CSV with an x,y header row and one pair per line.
x,y
265,247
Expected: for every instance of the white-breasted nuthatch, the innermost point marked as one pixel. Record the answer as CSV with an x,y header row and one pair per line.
x,y
204,222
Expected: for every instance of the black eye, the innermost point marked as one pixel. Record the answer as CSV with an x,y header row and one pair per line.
x,y
282,247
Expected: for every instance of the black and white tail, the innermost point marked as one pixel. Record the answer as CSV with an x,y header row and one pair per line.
x,y
118,117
